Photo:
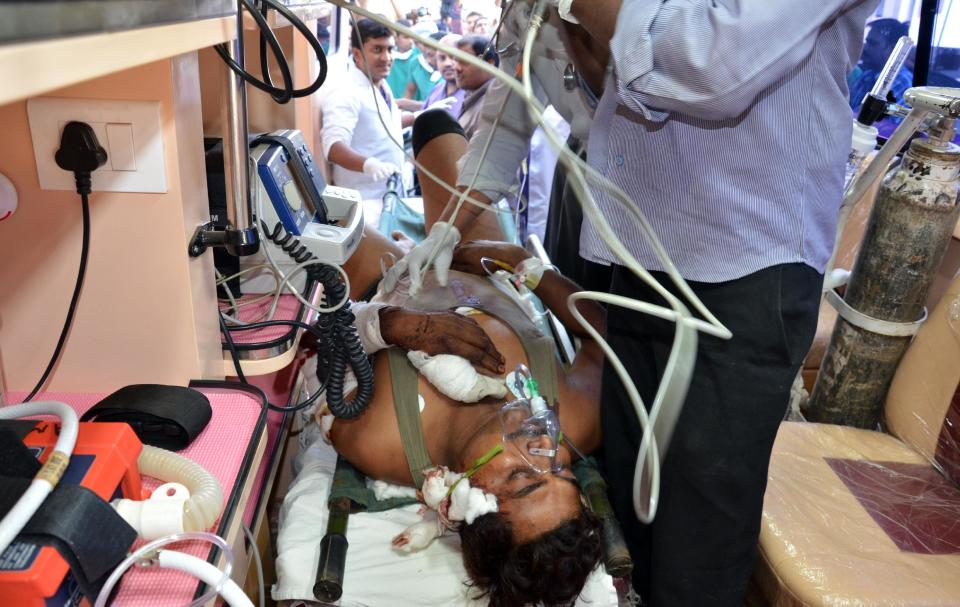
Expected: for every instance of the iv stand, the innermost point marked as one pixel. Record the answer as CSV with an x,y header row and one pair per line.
x,y
240,237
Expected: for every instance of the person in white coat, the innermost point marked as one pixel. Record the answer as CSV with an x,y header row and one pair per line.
x,y
362,134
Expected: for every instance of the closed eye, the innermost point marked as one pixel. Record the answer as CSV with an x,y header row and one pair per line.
x,y
520,472
522,493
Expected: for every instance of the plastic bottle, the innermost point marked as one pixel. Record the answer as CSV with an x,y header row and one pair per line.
x,y
863,142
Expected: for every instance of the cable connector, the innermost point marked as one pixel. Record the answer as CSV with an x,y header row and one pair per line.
x,y
81,153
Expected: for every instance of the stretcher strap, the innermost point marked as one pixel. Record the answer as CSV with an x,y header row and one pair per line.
x,y
406,403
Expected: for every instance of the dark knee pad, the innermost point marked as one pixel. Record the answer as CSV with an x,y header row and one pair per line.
x,y
430,125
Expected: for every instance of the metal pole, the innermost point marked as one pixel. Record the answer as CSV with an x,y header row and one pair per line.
x,y
235,154
921,65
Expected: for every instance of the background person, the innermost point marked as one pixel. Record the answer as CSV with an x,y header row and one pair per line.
x,y
360,123
474,81
404,56
882,36
423,73
447,93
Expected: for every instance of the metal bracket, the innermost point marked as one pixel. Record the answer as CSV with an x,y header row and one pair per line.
x,y
874,325
237,242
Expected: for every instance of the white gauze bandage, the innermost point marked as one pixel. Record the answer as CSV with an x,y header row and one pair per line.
x,y
446,508
467,503
368,325
455,377
383,490
419,535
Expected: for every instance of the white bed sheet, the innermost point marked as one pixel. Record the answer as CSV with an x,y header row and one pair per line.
x,y
376,575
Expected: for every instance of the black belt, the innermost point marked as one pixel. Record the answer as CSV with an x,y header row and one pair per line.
x,y
169,417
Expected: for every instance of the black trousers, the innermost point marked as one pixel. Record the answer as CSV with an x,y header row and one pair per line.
x,y
701,547
562,237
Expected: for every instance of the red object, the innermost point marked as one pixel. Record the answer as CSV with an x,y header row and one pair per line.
x,y
104,460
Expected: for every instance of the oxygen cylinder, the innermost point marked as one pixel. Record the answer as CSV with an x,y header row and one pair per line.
x,y
906,238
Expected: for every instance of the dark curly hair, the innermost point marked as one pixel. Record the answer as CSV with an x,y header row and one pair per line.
x,y
551,569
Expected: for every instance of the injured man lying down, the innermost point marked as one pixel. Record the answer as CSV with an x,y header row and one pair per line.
x,y
473,408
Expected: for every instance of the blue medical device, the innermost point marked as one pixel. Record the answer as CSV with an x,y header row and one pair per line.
x,y
291,180
294,205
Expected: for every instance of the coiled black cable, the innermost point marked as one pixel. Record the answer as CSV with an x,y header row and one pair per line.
x,y
285,240
337,330
258,11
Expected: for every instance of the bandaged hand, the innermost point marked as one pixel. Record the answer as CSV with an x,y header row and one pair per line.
x,y
379,170
441,333
443,237
467,257
456,378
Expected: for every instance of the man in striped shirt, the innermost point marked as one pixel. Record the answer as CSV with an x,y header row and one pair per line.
x,y
727,124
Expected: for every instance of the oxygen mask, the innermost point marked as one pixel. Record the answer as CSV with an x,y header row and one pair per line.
x,y
534,436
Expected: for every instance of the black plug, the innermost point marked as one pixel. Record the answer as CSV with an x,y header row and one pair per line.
x,y
81,153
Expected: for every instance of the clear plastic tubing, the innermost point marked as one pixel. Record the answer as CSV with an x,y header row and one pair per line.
x,y
894,62
148,549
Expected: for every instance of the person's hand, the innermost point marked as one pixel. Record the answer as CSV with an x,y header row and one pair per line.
x,y
466,257
378,169
443,237
441,333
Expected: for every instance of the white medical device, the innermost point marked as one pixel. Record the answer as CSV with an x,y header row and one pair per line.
x,y
297,213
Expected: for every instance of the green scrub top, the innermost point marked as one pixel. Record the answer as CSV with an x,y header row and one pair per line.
x,y
424,77
400,73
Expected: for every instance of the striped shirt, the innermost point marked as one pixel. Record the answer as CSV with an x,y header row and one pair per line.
x,y
727,123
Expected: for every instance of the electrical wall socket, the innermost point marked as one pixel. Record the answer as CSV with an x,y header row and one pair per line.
x,y
129,131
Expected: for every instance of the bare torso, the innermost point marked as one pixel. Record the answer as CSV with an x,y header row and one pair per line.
x,y
372,441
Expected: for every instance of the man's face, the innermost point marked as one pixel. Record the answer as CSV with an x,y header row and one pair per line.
x,y
470,78
534,503
379,57
430,55
469,23
447,66
876,49
481,25
404,43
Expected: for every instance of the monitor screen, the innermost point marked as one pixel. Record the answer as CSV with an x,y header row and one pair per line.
x,y
291,191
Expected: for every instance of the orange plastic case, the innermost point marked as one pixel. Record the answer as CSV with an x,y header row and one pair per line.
x,y
104,461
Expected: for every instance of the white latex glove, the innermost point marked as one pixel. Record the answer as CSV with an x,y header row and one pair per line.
x,y
378,169
441,235
445,104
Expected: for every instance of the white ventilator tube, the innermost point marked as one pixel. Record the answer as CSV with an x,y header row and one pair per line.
x,y
156,518
201,569
148,554
49,475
